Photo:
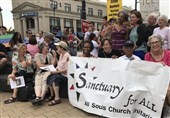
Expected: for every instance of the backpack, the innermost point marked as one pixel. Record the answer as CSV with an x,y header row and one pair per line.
x,y
26,93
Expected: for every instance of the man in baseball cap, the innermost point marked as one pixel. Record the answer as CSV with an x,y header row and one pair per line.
x,y
128,50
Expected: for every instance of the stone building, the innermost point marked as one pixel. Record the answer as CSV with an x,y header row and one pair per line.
x,y
42,15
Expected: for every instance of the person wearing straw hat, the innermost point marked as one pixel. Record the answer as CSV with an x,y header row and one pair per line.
x,y
60,75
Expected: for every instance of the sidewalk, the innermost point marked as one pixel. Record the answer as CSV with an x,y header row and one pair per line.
x,y
26,109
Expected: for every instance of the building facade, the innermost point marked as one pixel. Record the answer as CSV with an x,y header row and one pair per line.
x,y
161,7
48,15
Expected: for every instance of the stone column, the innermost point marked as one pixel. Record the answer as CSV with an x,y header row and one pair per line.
x,y
24,27
36,24
95,26
74,25
62,23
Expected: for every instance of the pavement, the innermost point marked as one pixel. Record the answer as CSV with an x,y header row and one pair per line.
x,y
27,110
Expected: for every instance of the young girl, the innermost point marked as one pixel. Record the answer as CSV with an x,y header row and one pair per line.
x,y
87,48
96,44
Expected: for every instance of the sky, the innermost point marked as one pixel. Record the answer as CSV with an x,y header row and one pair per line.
x,y
6,6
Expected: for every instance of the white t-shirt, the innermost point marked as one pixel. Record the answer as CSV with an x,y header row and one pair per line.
x,y
40,40
133,57
86,35
95,50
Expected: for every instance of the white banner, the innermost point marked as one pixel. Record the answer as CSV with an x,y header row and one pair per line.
x,y
116,88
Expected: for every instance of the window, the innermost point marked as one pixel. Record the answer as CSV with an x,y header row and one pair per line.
x,y
78,23
68,23
30,23
54,24
98,25
79,9
90,11
68,7
100,13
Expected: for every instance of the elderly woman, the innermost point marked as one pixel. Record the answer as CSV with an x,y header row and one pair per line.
x,y
157,54
42,59
164,31
60,74
22,65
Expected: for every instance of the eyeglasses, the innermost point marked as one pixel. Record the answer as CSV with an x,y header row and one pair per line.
x,y
156,42
29,32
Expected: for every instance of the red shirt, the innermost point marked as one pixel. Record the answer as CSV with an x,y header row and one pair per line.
x,y
165,59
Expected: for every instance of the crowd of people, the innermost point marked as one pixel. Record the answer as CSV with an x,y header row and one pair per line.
x,y
125,38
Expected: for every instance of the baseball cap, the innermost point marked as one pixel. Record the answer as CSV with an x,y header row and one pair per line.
x,y
129,43
62,44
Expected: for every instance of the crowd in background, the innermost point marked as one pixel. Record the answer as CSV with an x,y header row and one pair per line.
x,y
125,38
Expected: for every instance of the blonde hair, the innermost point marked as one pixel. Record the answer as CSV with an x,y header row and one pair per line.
x,y
20,45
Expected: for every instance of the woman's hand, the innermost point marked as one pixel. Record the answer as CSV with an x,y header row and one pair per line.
x,y
114,57
54,72
54,53
11,76
24,64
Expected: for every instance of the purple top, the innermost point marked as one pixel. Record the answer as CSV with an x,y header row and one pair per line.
x,y
118,38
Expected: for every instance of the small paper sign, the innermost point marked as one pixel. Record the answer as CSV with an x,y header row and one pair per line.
x,y
19,82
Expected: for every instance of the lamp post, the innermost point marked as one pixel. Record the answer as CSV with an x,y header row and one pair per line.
x,y
136,2
54,6
83,14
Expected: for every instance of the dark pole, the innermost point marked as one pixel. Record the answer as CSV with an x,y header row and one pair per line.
x,y
83,14
54,6
136,5
54,14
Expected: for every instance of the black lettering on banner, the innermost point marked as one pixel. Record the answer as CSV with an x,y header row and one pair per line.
x,y
87,103
83,80
147,104
114,110
97,106
130,101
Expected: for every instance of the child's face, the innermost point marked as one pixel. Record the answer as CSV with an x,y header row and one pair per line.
x,y
86,48
128,50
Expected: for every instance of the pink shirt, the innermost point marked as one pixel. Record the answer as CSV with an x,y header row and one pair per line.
x,y
32,49
165,59
63,62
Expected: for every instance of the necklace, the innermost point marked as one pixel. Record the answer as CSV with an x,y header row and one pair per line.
x,y
159,57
